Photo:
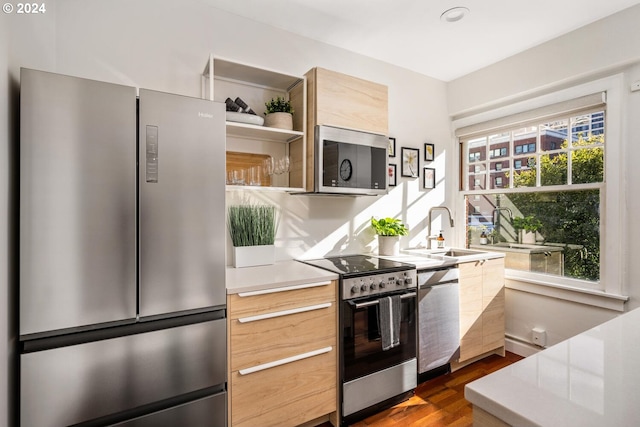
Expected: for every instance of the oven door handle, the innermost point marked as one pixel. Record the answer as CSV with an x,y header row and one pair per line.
x,y
376,302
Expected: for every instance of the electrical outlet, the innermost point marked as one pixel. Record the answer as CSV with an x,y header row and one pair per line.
x,y
539,337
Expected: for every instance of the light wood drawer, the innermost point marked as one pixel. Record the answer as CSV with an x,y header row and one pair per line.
x,y
285,395
254,342
279,299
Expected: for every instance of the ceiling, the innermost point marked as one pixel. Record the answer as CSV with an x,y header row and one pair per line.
x,y
410,34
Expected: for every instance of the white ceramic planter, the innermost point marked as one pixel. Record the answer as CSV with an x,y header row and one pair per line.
x,y
389,245
251,256
279,120
528,237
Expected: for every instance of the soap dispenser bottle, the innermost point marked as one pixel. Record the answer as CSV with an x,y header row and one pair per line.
x,y
440,240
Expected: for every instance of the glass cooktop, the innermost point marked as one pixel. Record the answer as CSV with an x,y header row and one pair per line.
x,y
358,265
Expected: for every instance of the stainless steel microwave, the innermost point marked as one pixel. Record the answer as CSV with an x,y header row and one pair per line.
x,y
350,162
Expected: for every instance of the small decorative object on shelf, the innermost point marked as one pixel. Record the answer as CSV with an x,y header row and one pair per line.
x,y
389,231
244,106
253,232
279,114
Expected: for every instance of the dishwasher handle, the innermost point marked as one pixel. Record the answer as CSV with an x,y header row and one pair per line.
x,y
433,285
438,276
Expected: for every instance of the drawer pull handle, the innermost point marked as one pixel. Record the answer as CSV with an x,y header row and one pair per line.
x,y
284,313
284,289
280,362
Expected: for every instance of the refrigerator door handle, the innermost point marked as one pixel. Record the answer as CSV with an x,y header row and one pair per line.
x,y
152,146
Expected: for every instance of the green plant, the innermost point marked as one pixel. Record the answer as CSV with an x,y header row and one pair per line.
x,y
389,227
278,105
528,223
252,225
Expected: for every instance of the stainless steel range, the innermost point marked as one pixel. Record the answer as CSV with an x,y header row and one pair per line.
x,y
378,366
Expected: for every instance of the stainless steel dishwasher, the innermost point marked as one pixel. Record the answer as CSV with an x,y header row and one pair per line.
x,y
438,320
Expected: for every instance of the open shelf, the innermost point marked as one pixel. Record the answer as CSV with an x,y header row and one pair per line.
x,y
249,131
223,79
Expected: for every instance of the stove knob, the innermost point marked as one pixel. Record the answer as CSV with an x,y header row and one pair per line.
x,y
354,289
382,284
363,288
399,282
408,280
373,286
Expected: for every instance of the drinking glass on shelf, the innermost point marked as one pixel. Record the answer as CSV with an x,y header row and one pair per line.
x,y
268,166
239,176
255,175
284,164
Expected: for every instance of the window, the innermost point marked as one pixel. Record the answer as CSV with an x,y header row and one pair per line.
x,y
568,188
550,202
562,225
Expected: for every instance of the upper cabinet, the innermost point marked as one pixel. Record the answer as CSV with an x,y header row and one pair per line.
x,y
251,146
340,100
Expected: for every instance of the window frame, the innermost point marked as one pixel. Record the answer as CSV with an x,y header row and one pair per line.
x,y
609,293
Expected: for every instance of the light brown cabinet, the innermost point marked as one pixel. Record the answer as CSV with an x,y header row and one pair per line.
x,y
340,100
482,307
337,99
283,355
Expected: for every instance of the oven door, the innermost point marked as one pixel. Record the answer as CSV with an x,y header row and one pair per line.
x,y
362,352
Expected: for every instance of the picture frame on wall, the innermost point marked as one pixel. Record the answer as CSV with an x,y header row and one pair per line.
x,y
392,147
410,162
429,178
429,152
392,175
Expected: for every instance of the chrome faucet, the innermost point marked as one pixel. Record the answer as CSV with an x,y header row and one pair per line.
x,y
497,210
435,208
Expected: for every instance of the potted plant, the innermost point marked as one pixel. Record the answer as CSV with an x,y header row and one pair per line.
x,y
279,114
527,227
389,231
253,233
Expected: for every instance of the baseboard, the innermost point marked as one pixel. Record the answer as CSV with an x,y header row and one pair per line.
x,y
316,422
520,347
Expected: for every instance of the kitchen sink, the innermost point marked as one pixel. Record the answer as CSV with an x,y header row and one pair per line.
x,y
449,253
458,252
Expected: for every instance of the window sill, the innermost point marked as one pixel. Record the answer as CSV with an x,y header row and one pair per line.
x,y
524,282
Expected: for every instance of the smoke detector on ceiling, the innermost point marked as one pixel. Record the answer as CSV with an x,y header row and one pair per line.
x,y
454,14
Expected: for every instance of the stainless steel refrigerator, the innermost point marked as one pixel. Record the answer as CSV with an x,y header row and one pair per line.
x,y
122,266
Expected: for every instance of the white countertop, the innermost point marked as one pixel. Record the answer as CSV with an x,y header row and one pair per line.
x,y
284,273
425,259
590,380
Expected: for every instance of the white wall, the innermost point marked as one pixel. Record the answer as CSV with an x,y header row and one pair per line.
x,y
164,45
606,47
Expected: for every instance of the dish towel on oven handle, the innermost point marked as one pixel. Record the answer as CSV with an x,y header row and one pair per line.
x,y
390,311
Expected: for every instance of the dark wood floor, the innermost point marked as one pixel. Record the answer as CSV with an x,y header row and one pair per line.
x,y
440,401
